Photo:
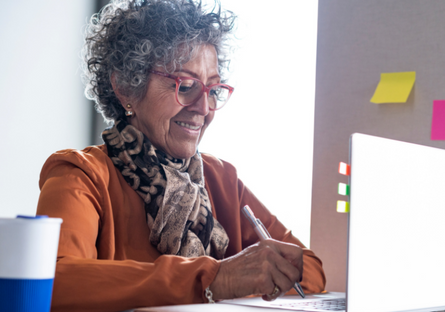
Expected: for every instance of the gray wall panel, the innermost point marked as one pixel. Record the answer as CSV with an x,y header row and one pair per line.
x,y
358,40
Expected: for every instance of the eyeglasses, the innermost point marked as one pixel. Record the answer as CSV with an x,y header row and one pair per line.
x,y
189,90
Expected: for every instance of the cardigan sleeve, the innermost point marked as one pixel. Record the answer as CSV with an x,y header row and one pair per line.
x,y
229,195
314,280
90,274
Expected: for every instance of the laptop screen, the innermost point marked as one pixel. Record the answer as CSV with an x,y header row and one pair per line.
x,y
396,240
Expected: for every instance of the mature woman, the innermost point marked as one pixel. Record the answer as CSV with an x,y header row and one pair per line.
x,y
148,220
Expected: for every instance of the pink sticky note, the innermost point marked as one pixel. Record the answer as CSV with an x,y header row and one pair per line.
x,y
438,123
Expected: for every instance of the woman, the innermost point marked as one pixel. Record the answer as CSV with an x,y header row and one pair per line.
x,y
148,220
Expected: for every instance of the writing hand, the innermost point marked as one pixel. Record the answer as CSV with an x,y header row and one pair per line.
x,y
258,269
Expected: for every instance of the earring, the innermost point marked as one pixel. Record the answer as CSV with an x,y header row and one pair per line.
x,y
129,113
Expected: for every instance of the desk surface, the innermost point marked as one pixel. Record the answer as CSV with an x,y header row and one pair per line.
x,y
219,307
241,305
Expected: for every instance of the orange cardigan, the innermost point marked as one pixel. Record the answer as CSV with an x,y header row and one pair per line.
x,y
105,259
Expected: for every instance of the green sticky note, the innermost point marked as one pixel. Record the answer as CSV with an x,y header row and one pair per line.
x,y
343,189
394,87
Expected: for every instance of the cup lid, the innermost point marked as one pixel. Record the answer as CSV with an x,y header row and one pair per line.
x,y
31,217
22,219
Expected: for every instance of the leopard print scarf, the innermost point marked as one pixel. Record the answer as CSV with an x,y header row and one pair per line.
x,y
177,205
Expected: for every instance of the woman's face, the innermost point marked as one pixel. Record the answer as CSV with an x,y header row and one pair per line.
x,y
169,126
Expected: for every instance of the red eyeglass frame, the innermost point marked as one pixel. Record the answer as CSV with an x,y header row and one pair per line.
x,y
204,88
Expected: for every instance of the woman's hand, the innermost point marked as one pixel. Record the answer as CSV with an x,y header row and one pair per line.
x,y
258,269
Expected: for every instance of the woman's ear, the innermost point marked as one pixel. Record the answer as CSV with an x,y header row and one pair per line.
x,y
125,101
122,99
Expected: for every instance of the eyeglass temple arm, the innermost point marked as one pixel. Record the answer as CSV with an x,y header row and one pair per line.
x,y
163,74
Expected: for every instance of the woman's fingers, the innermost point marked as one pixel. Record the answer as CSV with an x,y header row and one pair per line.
x,y
258,270
288,269
274,295
294,254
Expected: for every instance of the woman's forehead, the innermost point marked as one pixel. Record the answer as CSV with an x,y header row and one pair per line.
x,y
195,57
204,64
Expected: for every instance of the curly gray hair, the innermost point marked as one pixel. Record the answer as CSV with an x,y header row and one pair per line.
x,y
128,38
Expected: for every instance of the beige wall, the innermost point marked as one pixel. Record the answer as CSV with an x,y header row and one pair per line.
x,y
358,40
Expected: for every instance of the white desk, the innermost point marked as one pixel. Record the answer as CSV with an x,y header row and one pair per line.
x,y
239,305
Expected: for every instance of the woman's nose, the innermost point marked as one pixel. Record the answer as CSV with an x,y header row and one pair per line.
x,y
201,106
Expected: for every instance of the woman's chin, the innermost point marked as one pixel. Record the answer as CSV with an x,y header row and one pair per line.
x,y
183,153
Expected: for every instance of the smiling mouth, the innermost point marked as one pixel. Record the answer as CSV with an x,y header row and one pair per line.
x,y
186,125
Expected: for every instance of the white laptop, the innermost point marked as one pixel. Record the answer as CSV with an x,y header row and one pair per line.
x,y
396,237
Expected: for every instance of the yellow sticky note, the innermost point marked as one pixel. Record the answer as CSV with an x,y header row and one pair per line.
x,y
342,206
394,87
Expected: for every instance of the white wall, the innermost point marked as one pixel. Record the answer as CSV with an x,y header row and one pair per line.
x,y
266,129
42,100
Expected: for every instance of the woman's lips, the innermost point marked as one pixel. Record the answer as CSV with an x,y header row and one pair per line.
x,y
191,126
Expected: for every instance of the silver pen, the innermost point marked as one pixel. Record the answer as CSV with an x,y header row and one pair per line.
x,y
263,234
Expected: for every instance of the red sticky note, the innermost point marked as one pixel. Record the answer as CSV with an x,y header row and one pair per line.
x,y
438,122
344,168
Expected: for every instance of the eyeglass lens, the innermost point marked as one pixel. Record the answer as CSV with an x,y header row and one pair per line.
x,y
189,91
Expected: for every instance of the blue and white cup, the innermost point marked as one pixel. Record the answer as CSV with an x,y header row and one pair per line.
x,y
28,255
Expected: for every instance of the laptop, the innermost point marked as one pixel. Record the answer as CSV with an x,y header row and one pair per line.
x,y
396,232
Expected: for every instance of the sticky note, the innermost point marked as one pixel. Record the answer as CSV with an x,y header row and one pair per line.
x,y
438,122
343,189
342,206
394,87
344,168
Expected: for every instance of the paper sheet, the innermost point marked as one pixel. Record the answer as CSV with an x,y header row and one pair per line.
x,y
394,87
